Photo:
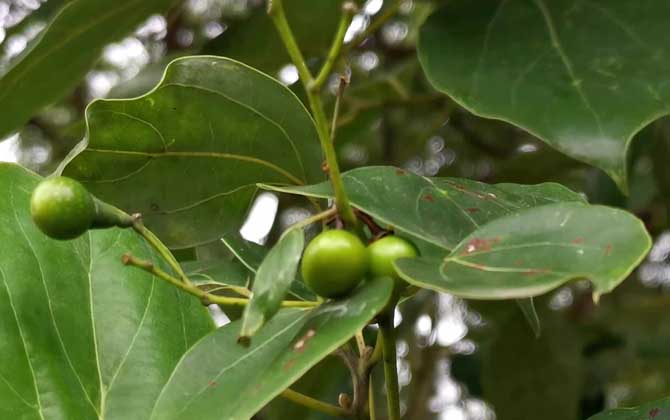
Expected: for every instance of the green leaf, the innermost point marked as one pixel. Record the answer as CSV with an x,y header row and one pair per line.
x,y
272,282
65,51
545,66
441,211
255,40
83,337
188,154
218,379
535,250
656,410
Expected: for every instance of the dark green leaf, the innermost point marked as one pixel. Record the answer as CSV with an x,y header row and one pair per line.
x,y
656,410
546,67
536,250
441,211
272,282
83,336
221,379
65,51
188,154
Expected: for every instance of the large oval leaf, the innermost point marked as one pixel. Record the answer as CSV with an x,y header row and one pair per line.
x,y
441,211
545,66
188,154
219,379
656,410
65,51
83,337
534,251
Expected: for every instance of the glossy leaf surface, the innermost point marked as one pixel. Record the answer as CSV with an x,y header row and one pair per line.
x,y
546,66
218,378
65,51
83,336
272,282
535,250
441,211
188,154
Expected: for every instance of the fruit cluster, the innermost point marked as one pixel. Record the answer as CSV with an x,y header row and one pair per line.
x,y
336,261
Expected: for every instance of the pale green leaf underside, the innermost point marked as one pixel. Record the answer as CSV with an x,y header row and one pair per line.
x,y
655,410
219,379
536,250
584,76
64,52
83,336
441,211
188,154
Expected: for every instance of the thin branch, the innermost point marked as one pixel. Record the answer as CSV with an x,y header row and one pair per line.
x,y
376,23
348,10
205,297
162,250
315,404
344,82
276,12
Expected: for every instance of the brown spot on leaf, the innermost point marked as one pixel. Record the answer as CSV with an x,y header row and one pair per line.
x,y
480,245
400,172
518,262
472,209
301,344
577,241
429,198
608,250
535,271
324,167
211,384
288,365
655,412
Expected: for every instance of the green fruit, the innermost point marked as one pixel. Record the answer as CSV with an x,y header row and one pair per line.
x,y
62,208
383,252
334,263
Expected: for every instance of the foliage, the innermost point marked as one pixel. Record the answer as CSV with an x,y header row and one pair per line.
x,y
465,128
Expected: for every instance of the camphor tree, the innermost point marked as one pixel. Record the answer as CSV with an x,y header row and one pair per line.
x,y
110,260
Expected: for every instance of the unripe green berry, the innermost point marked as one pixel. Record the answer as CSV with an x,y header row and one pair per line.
x,y
383,252
62,208
334,263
